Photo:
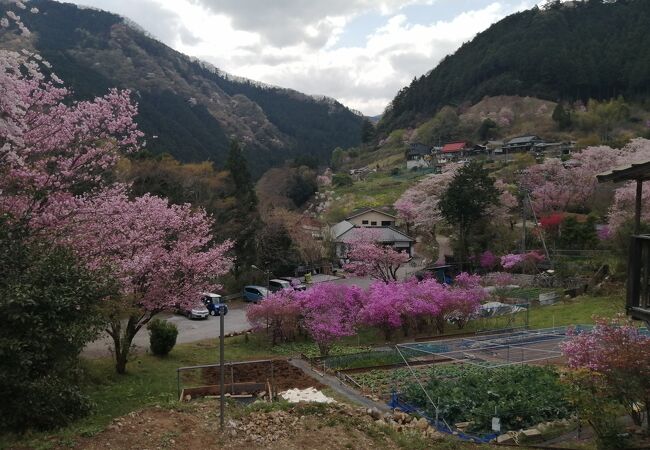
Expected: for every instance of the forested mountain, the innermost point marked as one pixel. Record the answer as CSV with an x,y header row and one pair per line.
x,y
187,108
562,52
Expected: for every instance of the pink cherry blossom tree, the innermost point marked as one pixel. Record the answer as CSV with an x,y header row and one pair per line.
x,y
330,312
56,158
51,150
161,255
557,186
368,257
617,350
418,205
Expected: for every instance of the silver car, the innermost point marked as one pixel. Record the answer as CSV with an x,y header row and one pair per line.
x,y
196,311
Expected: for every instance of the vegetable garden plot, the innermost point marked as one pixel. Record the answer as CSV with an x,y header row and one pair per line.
x,y
496,350
520,396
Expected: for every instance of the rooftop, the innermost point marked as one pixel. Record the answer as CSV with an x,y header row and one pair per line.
x,y
635,171
523,139
452,147
384,234
358,212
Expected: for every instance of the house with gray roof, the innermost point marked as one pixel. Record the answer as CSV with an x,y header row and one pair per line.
x,y
522,143
418,155
382,224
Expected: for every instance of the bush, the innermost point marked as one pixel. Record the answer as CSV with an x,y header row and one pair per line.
x,y
342,179
162,336
50,310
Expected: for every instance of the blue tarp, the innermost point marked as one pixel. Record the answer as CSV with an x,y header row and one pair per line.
x,y
397,403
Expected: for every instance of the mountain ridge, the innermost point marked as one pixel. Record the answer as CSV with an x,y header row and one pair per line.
x,y
188,107
562,52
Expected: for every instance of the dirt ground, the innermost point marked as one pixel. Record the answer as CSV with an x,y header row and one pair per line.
x,y
284,375
196,426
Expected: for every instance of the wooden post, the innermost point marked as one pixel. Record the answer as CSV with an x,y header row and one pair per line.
x,y
637,210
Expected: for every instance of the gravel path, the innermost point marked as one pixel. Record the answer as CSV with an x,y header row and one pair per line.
x,y
338,386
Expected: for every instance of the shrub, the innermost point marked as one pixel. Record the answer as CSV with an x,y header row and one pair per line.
x,y
342,179
162,336
50,310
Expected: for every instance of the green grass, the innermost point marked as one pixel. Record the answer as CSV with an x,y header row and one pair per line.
x,y
576,311
376,190
149,381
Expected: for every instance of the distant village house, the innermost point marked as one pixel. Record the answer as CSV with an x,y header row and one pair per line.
x,y
352,227
418,156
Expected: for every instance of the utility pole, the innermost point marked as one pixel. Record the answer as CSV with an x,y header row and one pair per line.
x,y
222,312
523,219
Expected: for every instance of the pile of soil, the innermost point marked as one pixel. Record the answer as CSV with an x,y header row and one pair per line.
x,y
284,375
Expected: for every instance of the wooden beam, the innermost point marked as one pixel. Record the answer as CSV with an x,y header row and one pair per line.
x,y
637,209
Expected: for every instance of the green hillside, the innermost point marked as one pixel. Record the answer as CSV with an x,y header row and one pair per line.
x,y
563,52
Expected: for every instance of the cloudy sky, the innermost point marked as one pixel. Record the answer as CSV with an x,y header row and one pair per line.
x,y
360,52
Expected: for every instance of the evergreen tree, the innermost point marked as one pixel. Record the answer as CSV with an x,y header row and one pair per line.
x,y
487,129
367,131
238,168
562,117
245,215
466,200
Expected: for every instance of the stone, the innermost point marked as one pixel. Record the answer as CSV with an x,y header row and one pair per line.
x,y
462,425
505,439
374,413
532,433
422,424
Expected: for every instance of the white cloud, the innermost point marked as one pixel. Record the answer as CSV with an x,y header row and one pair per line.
x,y
296,43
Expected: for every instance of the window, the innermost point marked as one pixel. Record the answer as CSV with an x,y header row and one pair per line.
x,y
364,222
386,223
373,223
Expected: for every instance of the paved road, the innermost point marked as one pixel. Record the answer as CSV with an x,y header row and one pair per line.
x,y
196,330
188,331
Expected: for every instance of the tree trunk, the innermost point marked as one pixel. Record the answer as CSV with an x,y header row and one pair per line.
x,y
122,339
324,348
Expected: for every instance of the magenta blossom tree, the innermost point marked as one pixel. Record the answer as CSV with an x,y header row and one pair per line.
x,y
330,312
368,257
383,307
278,315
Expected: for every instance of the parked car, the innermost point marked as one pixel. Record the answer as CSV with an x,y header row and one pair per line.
x,y
214,303
295,283
254,293
195,311
278,284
